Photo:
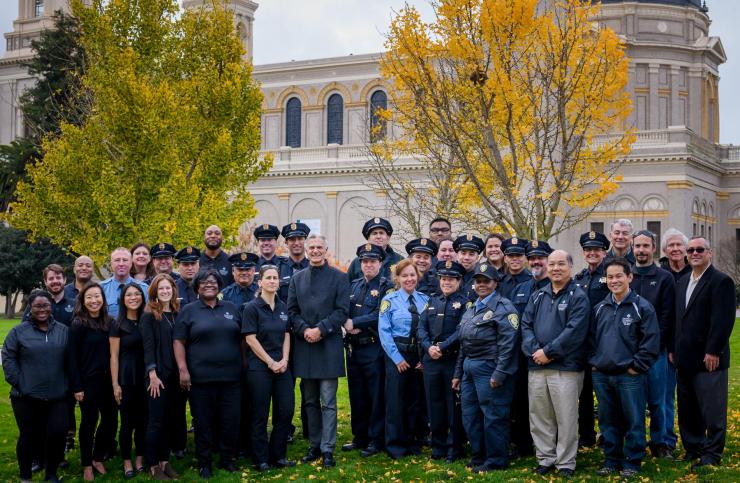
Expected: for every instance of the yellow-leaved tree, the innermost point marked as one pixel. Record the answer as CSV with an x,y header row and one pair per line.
x,y
171,141
518,107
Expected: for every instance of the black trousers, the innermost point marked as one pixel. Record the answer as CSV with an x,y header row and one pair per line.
x,y
133,420
265,387
521,436
216,409
445,415
166,428
702,414
42,426
366,381
586,419
98,402
403,396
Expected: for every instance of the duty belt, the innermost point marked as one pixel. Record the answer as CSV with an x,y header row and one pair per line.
x,y
362,340
406,344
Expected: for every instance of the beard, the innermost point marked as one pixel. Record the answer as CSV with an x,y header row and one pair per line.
x,y
213,246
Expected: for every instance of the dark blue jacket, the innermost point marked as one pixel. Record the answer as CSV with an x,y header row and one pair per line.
x,y
287,269
185,291
364,306
558,324
391,259
507,284
439,322
524,291
429,283
624,336
658,287
238,295
593,283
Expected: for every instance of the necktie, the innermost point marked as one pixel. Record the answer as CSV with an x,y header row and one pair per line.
x,y
414,319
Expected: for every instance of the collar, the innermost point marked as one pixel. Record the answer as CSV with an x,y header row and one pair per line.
x,y
696,280
485,301
203,304
627,298
568,286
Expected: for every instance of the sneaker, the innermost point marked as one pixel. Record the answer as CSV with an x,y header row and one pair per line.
x,y
629,473
566,472
205,472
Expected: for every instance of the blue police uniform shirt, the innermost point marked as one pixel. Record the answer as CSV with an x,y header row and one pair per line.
x,y
238,295
112,292
395,319
185,291
480,304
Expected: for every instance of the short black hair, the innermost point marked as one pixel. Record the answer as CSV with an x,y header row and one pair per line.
x,y
40,293
620,262
204,274
438,219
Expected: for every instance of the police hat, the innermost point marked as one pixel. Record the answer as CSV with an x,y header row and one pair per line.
x,y
514,246
374,223
368,250
295,230
538,248
160,250
266,231
592,239
450,269
468,242
188,254
243,260
487,270
423,245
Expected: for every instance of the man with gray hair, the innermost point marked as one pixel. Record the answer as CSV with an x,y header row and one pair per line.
x,y
554,329
318,306
620,236
673,245
120,267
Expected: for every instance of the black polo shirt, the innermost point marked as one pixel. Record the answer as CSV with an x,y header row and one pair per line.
x,y
220,263
130,352
213,340
269,326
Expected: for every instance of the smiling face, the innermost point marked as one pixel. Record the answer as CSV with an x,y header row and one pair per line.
x,y
83,269
141,258
165,291
675,249
208,288
163,265
620,236
483,286
54,282
538,266
269,281
379,237
132,299
267,247
422,260
449,285
617,280
120,263
408,279
593,255
467,258
493,251
558,267
446,252
41,309
700,256
243,276
296,246
213,237
316,248
93,301
515,262
643,248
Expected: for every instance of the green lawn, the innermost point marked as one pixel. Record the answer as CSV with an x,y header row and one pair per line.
x,y
380,468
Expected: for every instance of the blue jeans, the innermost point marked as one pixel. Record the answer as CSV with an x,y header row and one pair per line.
x,y
622,418
670,405
485,413
656,401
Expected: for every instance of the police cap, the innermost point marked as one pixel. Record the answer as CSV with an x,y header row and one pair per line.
x,y
468,242
188,254
423,245
593,239
487,270
295,230
266,231
538,248
374,223
243,260
368,250
450,269
161,250
514,246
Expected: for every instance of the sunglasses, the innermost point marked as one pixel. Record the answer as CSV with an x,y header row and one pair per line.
x,y
695,250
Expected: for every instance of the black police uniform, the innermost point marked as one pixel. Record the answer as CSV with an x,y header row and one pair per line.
x,y
185,288
268,231
289,267
160,250
513,246
594,284
220,263
365,357
474,243
391,257
438,326
235,293
429,284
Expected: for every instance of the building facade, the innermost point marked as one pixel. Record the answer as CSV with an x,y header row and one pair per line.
x,y
317,116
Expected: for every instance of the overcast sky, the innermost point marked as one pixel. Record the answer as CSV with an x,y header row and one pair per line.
x,y
287,30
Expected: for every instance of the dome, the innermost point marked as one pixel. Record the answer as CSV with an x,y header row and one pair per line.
x,y
679,3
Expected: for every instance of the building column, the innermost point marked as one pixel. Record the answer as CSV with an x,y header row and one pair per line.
x,y
331,222
675,119
654,100
679,201
283,209
696,100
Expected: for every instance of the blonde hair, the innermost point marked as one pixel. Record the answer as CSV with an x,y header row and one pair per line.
x,y
400,266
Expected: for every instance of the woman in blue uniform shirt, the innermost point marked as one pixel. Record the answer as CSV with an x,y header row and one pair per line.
x,y
397,326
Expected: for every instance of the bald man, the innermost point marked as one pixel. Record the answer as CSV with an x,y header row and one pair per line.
x,y
215,258
83,271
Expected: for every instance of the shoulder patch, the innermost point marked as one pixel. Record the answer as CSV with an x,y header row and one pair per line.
x,y
384,306
514,320
468,304
390,291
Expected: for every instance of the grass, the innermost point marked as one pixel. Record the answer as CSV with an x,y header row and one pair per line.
x,y
351,467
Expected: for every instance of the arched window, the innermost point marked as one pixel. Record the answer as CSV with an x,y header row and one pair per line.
x,y
334,119
379,100
293,123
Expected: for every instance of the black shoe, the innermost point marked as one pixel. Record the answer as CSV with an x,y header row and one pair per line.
x,y
179,454
473,463
35,466
329,460
486,468
230,467
702,464
690,457
663,452
566,472
205,472
311,455
350,447
64,464
129,474
452,457
437,456
543,470
69,445
371,450
284,463
262,467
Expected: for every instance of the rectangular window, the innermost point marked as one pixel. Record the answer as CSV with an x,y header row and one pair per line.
x,y
597,226
654,226
38,8
701,230
693,230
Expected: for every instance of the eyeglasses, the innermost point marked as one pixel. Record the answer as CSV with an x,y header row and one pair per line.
x,y
206,283
699,250
40,306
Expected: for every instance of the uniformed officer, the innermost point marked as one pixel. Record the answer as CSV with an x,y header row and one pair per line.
x,y
162,254
377,231
266,236
485,371
438,337
295,235
592,280
365,361
188,264
213,257
521,438
397,326
446,251
244,288
468,248
514,250
421,251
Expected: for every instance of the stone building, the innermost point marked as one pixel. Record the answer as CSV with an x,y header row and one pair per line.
x,y
317,113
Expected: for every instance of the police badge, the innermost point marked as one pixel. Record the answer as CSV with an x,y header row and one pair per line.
x,y
374,293
456,305
488,315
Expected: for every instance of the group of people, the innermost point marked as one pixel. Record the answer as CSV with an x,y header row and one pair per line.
x,y
457,345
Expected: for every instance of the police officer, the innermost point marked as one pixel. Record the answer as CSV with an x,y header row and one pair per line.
x,y
244,288
468,248
213,257
485,371
266,236
295,235
162,254
187,266
421,251
537,252
592,280
377,231
514,250
365,362
438,337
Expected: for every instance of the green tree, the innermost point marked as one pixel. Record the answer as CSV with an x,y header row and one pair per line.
x,y
172,140
56,97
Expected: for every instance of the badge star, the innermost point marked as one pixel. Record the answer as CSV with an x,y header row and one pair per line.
x,y
374,293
